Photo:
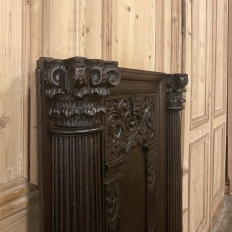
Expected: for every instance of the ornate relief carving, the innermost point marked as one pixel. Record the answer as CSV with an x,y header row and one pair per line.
x,y
76,87
112,199
113,203
131,123
151,173
175,85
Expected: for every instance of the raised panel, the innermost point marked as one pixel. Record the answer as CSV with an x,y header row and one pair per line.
x,y
198,178
218,165
220,77
11,90
199,80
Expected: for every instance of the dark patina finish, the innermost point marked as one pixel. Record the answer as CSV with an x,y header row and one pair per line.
x,y
102,151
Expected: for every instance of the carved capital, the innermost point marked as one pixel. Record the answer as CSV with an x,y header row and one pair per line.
x,y
75,87
175,85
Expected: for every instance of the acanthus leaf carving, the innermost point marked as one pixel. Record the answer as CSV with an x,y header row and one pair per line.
x,y
76,87
131,123
175,86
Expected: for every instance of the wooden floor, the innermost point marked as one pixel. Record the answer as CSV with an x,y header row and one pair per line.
x,y
19,207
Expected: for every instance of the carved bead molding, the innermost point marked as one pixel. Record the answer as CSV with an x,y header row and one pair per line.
x,y
76,87
131,123
175,85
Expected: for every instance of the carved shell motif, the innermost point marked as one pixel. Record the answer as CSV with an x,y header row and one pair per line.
x,y
131,123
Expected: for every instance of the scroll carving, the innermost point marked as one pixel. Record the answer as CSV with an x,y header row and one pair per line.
x,y
175,85
131,123
75,87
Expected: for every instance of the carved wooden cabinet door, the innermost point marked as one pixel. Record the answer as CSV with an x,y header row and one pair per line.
x,y
101,147
134,180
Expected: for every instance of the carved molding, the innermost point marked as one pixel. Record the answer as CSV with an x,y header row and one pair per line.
x,y
76,87
131,123
175,85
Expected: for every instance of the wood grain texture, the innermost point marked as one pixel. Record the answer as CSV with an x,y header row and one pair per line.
x,y
229,118
218,165
200,57
200,83
15,196
26,220
220,46
11,93
198,179
133,21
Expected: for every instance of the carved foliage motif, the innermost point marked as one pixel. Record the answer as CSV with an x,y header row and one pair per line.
x,y
75,87
113,203
131,123
175,85
151,173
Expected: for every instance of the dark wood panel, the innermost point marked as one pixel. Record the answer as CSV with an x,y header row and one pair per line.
x,y
102,149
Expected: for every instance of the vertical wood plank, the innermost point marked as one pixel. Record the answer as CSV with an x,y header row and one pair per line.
x,y
26,77
60,26
88,28
133,33
159,36
229,117
176,51
167,36
35,52
11,107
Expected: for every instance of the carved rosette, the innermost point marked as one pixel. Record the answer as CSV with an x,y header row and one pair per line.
x,y
76,87
131,123
175,85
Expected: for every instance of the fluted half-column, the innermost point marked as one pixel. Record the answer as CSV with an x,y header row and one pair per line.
x,y
175,85
71,96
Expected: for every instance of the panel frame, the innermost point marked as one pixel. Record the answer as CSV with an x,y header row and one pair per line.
x,y
216,199
203,139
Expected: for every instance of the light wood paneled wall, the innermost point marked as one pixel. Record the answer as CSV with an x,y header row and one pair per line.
x,y
204,59
12,97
